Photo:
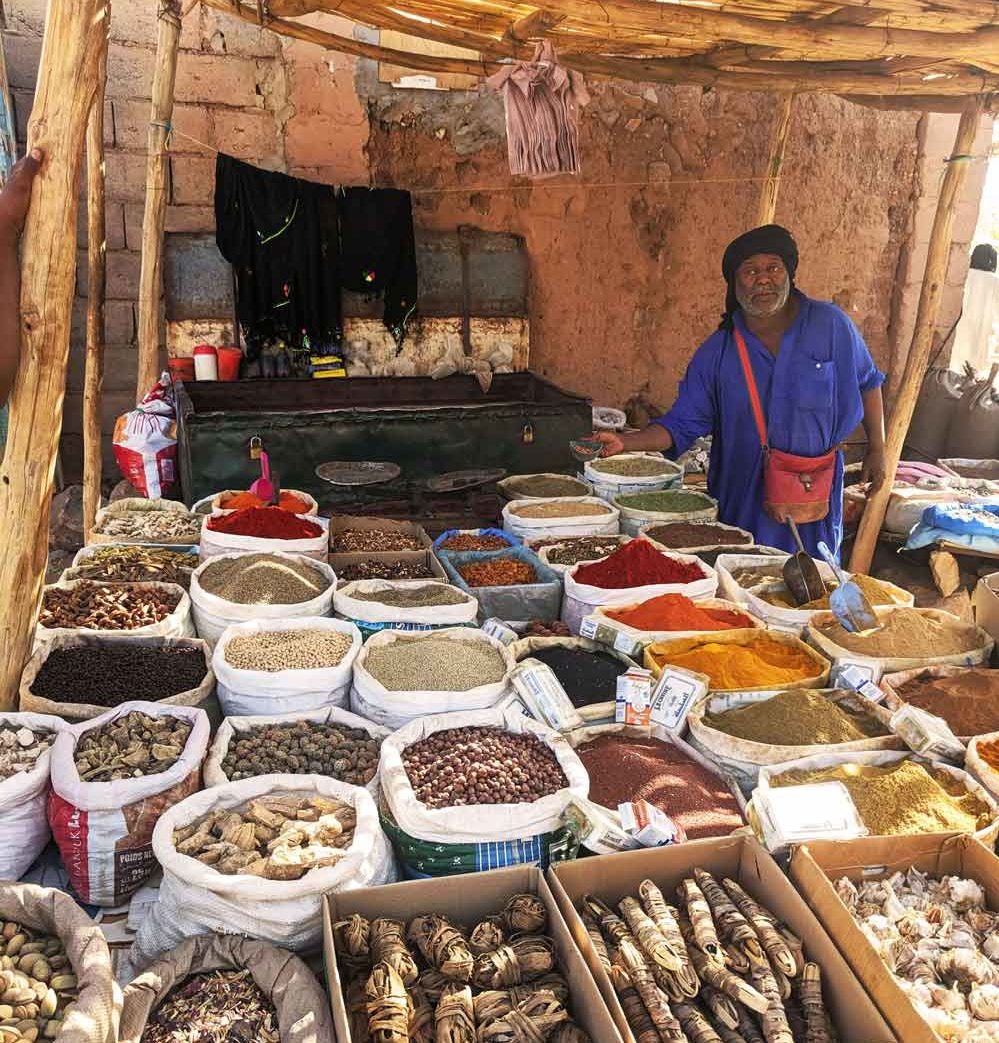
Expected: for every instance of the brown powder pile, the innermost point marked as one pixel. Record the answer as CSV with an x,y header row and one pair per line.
x,y
876,592
799,717
967,701
906,633
901,799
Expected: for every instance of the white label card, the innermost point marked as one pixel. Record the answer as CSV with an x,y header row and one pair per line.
x,y
675,693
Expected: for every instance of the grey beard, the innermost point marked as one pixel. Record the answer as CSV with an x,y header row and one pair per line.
x,y
749,308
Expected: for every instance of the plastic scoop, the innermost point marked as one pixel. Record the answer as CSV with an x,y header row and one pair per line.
x,y
801,574
848,602
262,487
586,449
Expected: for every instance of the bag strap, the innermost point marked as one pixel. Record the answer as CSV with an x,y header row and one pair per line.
x,y
754,394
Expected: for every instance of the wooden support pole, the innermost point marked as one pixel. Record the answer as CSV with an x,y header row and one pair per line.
x,y
930,296
74,36
154,218
93,377
768,197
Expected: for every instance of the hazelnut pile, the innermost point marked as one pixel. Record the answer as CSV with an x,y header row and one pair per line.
x,y
462,766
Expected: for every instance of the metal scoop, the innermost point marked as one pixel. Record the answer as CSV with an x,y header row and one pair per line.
x,y
848,603
801,574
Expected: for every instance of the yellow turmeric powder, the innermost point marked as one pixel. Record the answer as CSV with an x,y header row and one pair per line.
x,y
760,663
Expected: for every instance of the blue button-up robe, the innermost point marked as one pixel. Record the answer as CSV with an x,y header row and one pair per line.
x,y
811,394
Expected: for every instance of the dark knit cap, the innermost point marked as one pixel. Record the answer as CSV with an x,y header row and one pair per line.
x,y
767,239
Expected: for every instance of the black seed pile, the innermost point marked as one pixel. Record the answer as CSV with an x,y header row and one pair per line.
x,y
587,677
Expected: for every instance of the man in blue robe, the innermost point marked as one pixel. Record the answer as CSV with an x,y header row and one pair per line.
x,y
816,380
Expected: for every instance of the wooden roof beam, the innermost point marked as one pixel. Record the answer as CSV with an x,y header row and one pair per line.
x,y
532,26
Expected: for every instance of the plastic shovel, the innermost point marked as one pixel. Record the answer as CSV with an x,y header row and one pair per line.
x,y
801,574
262,487
847,601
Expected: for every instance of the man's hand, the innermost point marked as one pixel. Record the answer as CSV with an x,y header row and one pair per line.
x,y
873,470
612,442
16,195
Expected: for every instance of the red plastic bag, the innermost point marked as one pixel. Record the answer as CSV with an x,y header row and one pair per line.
x,y
145,442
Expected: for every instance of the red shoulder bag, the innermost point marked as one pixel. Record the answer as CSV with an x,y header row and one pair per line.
x,y
794,487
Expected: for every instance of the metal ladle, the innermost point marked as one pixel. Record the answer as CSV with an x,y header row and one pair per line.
x,y
801,574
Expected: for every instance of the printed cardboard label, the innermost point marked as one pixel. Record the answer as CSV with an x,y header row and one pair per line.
x,y
541,690
633,704
674,695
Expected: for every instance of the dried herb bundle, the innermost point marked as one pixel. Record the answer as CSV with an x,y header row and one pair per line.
x,y
523,959
388,1005
817,1029
455,1016
568,1032
765,925
528,1022
388,945
421,1016
356,1003
433,984
525,914
733,928
353,944
443,946
220,1007
489,934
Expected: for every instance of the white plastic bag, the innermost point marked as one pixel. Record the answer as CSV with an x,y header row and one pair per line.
x,y
581,599
245,692
481,822
195,898
212,614
104,829
604,524
213,542
372,700
177,624
24,825
232,727
373,616
145,441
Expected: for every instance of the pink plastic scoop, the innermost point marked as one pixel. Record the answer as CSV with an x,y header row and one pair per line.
x,y
262,487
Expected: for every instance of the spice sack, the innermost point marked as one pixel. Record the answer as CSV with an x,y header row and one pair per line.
x,y
214,542
561,516
540,598
357,602
196,897
104,829
303,1014
24,788
245,691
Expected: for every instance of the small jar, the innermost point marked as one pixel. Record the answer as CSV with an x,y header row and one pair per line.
x,y
206,364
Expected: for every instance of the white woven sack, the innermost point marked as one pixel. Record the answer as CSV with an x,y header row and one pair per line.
x,y
24,824
213,543
347,606
581,599
607,485
85,553
235,726
479,823
195,899
634,519
246,692
136,503
177,624
95,835
547,528
212,614
372,700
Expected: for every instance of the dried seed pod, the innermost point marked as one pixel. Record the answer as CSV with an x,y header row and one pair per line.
x,y
489,934
352,939
387,1004
389,946
525,914
764,924
774,1021
651,940
721,977
733,928
454,1018
699,912
816,1019
695,1024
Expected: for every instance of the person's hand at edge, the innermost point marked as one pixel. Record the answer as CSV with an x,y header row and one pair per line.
x,y
16,195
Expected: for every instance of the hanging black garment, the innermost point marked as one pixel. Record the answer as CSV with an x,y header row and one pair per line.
x,y
280,235
378,250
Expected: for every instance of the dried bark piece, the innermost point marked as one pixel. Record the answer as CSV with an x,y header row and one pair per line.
x,y
699,912
733,928
764,924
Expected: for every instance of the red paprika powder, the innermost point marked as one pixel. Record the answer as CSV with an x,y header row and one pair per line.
x,y
270,523
286,501
677,612
637,564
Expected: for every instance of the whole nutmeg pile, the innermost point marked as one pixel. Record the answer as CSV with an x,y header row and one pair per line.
x,y
304,748
461,766
37,984
20,749
131,746
101,606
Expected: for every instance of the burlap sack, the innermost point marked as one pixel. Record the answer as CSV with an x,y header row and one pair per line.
x,y
94,1017
303,1011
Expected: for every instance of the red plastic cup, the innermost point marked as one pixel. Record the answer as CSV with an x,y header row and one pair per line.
x,y
229,358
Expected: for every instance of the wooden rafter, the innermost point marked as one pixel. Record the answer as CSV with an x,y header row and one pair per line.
x,y
535,24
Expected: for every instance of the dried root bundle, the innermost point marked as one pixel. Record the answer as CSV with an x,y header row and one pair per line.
x,y
817,1028
774,1020
705,936
568,1032
722,978
433,984
774,944
665,917
489,934
523,959
455,1016
421,1016
696,1026
720,1006
352,939
525,914
443,946
650,939
388,945
357,1011
631,1003
629,958
733,928
596,940
529,1022
388,1005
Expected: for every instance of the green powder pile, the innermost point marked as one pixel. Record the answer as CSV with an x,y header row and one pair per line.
x,y
666,501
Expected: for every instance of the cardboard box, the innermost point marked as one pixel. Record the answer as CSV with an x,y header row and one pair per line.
x,y
338,562
740,857
985,602
345,522
467,899
815,868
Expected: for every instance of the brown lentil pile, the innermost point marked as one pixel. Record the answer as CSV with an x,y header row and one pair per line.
x,y
130,746
559,509
544,485
351,541
263,579
574,549
634,467
624,768
384,570
304,748
274,650
152,526
435,664
462,766
694,534
219,1007
414,597
100,606
501,572
463,541
137,564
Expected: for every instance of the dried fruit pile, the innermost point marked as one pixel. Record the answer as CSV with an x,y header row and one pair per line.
x,y
719,966
20,749
137,564
37,984
101,606
351,541
131,746
279,837
438,982
304,748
